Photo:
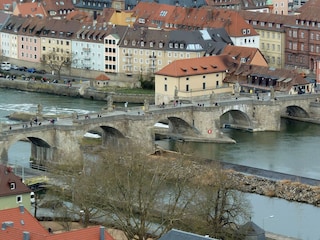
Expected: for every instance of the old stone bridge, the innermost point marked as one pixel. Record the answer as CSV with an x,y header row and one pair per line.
x,y
60,142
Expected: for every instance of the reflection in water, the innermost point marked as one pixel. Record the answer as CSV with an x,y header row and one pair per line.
x,y
293,150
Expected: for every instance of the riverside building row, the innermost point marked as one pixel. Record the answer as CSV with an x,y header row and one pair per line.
x,y
103,47
147,44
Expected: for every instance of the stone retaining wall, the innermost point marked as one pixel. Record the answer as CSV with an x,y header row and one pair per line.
x,y
285,189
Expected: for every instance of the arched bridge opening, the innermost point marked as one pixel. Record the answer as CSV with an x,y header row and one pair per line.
x,y
41,153
236,119
103,136
294,111
181,127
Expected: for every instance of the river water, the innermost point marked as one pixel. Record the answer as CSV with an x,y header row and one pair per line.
x,y
293,150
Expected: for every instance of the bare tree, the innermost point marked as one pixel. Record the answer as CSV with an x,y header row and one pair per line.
x,y
219,208
56,61
144,197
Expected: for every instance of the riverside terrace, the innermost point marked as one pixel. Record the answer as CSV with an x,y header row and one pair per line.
x,y
191,122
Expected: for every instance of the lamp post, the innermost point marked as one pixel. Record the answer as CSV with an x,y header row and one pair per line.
x,y
271,216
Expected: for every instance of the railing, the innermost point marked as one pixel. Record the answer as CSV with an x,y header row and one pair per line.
x,y
38,167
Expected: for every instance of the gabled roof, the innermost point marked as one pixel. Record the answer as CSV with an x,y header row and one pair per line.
x,y
251,229
175,234
10,184
175,17
239,53
309,11
18,222
22,220
31,9
102,77
196,66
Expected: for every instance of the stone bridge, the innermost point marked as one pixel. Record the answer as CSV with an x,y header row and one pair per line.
x,y
60,142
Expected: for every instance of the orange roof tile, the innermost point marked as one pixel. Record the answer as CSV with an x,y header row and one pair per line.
x,y
22,221
196,66
102,77
30,9
19,222
167,17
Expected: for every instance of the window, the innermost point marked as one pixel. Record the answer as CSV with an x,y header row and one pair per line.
x,y
19,199
187,88
204,85
217,83
12,185
165,87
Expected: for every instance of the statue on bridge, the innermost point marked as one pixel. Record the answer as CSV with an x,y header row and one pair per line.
x,y
212,98
175,92
109,103
146,105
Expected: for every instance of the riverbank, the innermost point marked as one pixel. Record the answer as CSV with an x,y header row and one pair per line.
x,y
81,90
249,182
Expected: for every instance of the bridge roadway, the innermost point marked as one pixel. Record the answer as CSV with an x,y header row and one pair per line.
x,y
60,140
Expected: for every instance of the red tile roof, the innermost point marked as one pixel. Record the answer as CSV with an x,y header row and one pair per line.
x,y
102,77
165,16
238,53
196,66
30,9
7,176
18,221
22,221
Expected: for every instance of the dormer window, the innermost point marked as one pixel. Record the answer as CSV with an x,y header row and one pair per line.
x,y
12,185
160,44
176,45
171,45
133,43
181,45
151,44
142,43
125,42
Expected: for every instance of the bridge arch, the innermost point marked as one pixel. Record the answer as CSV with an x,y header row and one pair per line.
x,y
295,111
235,119
41,150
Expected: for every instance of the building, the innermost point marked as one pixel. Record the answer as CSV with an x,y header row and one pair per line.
x,y
302,47
29,9
162,16
259,79
13,192
18,224
145,51
271,28
192,79
246,55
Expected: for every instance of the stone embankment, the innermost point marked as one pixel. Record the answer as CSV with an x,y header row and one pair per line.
x,y
285,189
75,90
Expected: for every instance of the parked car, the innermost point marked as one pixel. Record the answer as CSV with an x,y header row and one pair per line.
x,y
41,71
14,67
6,66
22,69
31,70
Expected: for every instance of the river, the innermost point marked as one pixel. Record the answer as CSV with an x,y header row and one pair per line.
x,y
294,150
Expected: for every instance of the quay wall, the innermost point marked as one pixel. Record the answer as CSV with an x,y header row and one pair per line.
x,y
74,91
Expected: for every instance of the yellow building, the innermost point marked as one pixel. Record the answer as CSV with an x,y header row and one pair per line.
x,y
144,52
193,79
272,35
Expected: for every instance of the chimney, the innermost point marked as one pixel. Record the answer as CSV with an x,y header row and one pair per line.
x,y
6,224
102,230
26,236
21,208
